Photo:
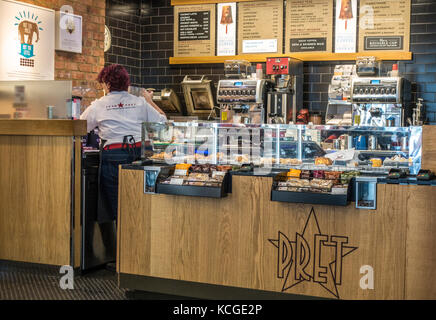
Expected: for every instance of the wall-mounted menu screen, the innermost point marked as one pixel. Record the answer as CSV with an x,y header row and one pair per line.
x,y
309,26
194,30
384,25
260,27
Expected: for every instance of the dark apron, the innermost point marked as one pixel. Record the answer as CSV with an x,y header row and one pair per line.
x,y
108,177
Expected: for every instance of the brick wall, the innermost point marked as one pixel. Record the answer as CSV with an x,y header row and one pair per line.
x,y
83,68
156,20
123,17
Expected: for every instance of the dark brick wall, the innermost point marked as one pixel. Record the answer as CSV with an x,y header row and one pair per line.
x,y
156,38
123,17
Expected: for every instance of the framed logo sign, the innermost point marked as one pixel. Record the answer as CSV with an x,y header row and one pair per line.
x,y
27,42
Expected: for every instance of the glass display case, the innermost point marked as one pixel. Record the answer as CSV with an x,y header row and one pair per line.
x,y
277,146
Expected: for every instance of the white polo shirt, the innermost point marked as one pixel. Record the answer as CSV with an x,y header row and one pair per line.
x,y
120,114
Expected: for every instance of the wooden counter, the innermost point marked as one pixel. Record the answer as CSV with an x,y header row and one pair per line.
x,y
40,193
234,242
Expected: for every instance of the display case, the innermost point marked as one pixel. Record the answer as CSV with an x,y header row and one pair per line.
x,y
273,146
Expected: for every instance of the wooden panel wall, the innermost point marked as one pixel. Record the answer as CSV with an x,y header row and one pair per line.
x,y
429,148
225,241
35,175
421,243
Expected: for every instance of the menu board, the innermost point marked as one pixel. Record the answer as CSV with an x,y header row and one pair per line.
x,y
309,26
384,25
194,30
260,27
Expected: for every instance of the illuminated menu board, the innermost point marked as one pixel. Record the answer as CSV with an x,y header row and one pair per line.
x,y
194,30
384,25
309,26
260,27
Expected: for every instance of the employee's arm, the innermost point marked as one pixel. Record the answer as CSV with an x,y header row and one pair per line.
x,y
89,116
154,113
148,96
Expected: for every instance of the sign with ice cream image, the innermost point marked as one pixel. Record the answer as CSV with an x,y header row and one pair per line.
x,y
346,26
226,29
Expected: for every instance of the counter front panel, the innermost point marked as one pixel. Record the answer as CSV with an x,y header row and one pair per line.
x,y
247,241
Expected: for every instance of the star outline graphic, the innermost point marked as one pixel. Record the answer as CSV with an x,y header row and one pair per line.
x,y
290,267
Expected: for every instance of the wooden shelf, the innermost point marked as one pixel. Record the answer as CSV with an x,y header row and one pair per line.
x,y
382,55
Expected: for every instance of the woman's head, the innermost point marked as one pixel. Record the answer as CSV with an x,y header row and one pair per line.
x,y
115,77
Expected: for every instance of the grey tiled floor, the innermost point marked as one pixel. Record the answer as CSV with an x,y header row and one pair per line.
x,y
34,282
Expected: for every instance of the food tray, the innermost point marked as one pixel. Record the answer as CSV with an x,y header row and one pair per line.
x,y
197,191
310,198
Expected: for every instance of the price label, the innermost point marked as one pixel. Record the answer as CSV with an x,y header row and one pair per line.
x,y
176,181
180,172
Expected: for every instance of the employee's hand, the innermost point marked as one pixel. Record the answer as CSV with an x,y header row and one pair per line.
x,y
148,95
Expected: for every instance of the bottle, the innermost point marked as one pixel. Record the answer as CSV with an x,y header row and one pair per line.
x,y
259,71
394,72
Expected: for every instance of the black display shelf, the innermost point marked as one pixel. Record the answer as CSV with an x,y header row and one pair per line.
x,y
197,191
310,198
424,182
194,191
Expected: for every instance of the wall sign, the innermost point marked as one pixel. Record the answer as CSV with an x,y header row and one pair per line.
x,y
260,27
68,32
309,26
226,29
384,25
346,26
27,41
194,30
312,256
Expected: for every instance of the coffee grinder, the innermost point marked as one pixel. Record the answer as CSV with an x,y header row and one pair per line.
x,y
286,96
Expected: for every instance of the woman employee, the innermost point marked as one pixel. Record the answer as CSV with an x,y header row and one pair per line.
x,y
118,116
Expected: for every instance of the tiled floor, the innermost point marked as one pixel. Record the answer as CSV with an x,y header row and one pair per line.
x,y
34,282
22,281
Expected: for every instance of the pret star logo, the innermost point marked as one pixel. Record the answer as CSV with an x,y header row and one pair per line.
x,y
28,24
121,105
313,257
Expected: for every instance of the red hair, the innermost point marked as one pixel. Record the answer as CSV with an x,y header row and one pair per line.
x,y
115,77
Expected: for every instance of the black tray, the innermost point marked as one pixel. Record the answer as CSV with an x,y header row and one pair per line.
x,y
310,198
194,191
197,191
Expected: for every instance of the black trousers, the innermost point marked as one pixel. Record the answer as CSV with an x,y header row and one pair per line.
x,y
108,180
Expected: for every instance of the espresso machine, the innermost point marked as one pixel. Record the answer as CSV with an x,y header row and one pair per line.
x,y
380,101
240,99
286,96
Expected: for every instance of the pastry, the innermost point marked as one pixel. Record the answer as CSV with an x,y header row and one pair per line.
x,y
323,161
376,162
332,175
319,174
305,174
